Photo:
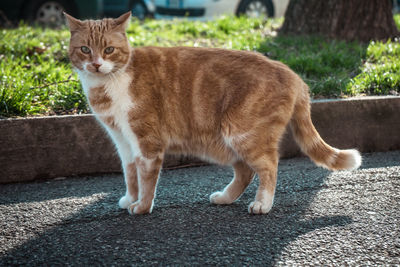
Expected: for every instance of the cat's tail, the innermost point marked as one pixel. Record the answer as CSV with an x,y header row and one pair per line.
x,y
312,144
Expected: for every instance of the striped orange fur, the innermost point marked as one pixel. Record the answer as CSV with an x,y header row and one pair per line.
x,y
226,106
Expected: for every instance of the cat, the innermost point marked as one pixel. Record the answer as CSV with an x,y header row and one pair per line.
x,y
226,106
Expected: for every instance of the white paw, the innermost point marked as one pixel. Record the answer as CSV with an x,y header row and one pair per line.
x,y
220,198
258,207
125,201
140,207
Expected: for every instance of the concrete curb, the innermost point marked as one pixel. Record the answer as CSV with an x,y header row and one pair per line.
x,y
48,147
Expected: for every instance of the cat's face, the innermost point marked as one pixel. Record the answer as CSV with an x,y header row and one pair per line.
x,y
99,47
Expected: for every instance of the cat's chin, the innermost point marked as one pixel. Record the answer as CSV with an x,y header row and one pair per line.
x,y
98,73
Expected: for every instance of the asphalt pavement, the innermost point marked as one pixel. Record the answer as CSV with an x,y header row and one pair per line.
x,y
319,218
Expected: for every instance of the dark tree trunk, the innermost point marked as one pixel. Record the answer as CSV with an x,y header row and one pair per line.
x,y
362,20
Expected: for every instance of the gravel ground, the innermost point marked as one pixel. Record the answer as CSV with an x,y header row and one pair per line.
x,y
319,218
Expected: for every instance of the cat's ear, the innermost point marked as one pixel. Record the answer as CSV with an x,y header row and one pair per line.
x,y
122,22
73,23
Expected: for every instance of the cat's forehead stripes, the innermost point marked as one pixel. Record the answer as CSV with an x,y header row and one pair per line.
x,y
97,29
100,26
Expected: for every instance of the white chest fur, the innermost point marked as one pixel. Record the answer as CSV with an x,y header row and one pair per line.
x,y
116,87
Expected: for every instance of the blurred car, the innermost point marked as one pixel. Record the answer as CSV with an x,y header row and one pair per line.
x,y
208,9
49,12
396,6
140,8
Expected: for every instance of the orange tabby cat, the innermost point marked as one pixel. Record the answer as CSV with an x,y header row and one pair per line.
x,y
229,107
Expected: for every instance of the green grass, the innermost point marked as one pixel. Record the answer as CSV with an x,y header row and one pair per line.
x,y
36,77
227,32
326,66
380,74
35,74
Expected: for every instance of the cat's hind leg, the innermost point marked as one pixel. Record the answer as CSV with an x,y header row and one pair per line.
x,y
266,168
242,178
260,152
264,161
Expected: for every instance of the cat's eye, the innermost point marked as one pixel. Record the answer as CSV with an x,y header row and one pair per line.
x,y
109,50
85,49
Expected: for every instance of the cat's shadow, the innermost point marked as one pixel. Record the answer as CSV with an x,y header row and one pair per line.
x,y
183,228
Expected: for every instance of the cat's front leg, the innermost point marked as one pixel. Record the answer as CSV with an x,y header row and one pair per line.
x,y
126,155
148,172
131,182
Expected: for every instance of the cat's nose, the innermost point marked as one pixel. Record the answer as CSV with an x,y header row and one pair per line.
x,y
96,65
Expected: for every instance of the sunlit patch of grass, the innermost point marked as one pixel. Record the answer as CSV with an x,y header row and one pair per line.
x,y
36,77
226,32
380,74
